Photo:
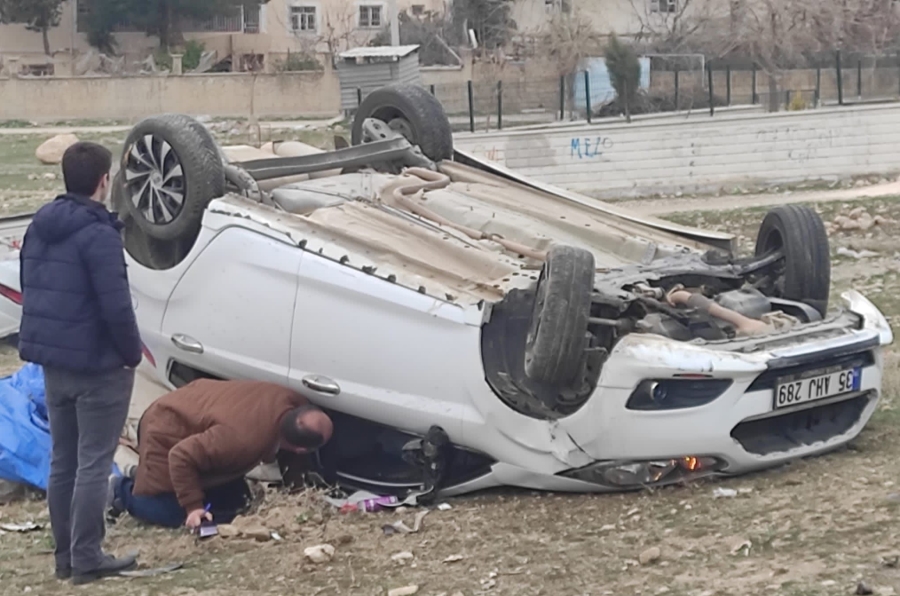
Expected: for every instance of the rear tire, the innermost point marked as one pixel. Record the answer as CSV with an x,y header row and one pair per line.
x,y
171,171
558,335
798,232
412,111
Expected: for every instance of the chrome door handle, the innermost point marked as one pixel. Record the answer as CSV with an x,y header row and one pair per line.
x,y
187,343
321,384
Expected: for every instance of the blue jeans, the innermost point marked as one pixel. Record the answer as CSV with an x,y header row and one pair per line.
x,y
226,502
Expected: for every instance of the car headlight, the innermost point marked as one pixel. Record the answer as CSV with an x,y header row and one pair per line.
x,y
872,317
676,394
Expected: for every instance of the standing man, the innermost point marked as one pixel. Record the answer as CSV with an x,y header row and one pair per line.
x,y
79,324
197,443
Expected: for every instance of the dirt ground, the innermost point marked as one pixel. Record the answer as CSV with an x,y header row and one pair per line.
x,y
815,527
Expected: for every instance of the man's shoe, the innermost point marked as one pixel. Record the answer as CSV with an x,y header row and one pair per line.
x,y
63,573
110,566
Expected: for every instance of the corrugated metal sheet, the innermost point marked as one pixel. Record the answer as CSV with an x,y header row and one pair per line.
x,y
379,52
408,70
371,76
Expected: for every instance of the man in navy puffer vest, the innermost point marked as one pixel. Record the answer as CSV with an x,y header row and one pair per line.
x,y
79,324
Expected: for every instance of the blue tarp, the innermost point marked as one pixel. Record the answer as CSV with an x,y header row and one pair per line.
x,y
24,428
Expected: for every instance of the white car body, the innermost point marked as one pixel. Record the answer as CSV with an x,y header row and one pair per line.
x,y
273,296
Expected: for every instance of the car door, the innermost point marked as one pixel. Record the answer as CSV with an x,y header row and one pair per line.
x,y
231,312
379,351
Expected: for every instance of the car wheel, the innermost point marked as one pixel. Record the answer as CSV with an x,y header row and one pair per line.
x,y
172,170
804,271
558,334
413,112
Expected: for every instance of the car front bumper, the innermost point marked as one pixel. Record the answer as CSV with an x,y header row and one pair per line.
x,y
741,430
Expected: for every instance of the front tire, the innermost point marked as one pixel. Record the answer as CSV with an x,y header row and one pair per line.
x,y
558,335
805,270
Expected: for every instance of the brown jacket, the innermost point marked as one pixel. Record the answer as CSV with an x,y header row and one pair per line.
x,y
208,433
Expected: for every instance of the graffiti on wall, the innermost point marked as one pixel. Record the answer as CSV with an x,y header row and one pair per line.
x,y
802,143
589,147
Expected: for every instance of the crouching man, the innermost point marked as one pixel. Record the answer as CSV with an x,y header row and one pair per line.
x,y
197,443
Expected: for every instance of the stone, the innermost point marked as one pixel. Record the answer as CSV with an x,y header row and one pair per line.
x,y
404,591
49,176
258,533
320,553
857,212
228,531
402,557
51,151
865,221
651,555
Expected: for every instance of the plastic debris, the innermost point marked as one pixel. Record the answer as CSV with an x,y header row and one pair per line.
x,y
402,557
363,500
21,528
724,493
401,528
453,559
444,507
404,591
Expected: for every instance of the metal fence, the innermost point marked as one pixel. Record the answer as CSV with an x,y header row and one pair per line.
x,y
705,85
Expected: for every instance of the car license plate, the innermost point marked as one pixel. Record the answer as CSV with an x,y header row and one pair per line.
x,y
792,393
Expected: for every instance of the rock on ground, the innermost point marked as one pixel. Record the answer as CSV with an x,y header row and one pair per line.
x,y
51,151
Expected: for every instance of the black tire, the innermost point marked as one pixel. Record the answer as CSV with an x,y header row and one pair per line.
x,y
799,233
202,175
558,333
399,105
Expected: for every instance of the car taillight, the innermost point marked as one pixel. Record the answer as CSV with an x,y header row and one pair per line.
x,y
148,355
11,294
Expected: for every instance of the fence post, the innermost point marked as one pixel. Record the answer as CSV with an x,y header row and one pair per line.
x,y
840,78
676,89
754,97
432,89
358,96
499,105
818,97
471,108
587,94
859,78
787,99
562,97
728,85
709,76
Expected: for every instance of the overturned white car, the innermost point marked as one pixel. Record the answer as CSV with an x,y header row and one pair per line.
x,y
468,327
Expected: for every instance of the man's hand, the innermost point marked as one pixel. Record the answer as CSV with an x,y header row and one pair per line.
x,y
196,517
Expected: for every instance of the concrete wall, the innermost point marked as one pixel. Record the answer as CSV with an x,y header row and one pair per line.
x,y
128,98
702,153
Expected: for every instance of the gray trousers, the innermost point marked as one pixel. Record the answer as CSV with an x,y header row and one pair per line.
x,y
87,413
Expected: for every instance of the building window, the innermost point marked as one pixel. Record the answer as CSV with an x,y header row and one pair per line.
x,y
369,17
418,9
664,6
303,18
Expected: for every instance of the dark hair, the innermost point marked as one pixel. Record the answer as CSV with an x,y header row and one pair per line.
x,y
294,433
84,165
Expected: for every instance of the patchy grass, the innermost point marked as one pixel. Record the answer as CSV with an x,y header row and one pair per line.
x,y
815,527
